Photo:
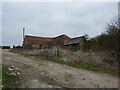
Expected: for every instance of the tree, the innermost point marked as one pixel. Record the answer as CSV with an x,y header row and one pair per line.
x,y
113,27
113,31
107,41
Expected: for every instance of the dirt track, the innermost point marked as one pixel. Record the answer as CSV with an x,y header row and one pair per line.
x,y
45,74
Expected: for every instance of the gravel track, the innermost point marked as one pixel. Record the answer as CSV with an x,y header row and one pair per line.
x,y
45,74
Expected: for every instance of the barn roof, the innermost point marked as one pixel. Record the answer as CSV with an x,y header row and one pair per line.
x,y
71,41
62,36
34,40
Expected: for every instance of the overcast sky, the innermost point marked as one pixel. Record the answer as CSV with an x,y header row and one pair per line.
x,y
52,19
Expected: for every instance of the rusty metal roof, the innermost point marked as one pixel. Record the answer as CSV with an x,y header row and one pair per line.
x,y
34,40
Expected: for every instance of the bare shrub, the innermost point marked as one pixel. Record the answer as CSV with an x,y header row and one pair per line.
x,y
45,53
103,59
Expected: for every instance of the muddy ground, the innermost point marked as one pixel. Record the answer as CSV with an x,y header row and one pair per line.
x,y
45,74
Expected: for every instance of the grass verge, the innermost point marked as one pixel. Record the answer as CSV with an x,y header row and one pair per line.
x,y
75,65
87,67
19,52
8,80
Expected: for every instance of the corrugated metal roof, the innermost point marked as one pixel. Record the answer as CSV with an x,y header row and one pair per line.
x,y
73,41
62,36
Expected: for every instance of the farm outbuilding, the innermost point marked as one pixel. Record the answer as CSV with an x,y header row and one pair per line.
x,y
75,43
62,41
43,42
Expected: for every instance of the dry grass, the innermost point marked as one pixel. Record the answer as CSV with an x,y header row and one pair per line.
x,y
104,59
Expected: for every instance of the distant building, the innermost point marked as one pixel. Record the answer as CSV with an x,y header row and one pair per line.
x,y
43,42
62,41
5,47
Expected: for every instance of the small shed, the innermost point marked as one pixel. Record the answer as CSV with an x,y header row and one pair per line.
x,y
75,43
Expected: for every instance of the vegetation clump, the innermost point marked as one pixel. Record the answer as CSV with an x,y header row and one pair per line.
x,y
10,77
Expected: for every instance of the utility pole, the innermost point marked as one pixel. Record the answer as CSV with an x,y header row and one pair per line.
x,y
23,36
23,33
